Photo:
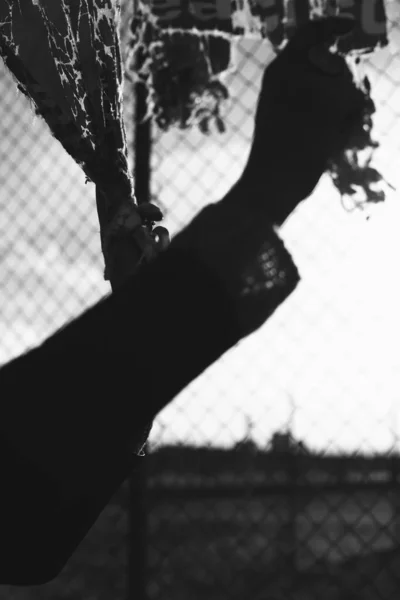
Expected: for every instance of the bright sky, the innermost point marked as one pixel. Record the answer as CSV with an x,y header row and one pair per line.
x,y
332,349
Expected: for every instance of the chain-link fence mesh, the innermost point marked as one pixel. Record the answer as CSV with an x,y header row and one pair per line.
x,y
245,508
255,501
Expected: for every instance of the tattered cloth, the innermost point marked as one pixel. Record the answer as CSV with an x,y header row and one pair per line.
x,y
65,56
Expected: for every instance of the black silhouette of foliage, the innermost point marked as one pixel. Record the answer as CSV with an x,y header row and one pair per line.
x,y
351,174
183,91
176,67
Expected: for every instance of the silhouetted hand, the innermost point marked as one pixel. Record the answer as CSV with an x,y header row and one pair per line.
x,y
307,108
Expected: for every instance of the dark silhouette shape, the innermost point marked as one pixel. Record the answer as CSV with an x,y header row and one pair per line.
x,y
74,410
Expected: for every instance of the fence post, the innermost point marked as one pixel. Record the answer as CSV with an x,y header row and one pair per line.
x,y
287,545
395,495
137,512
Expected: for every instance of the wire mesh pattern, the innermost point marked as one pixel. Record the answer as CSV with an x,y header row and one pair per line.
x,y
250,504
260,499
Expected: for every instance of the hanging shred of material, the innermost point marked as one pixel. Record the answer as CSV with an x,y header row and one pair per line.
x,y
65,55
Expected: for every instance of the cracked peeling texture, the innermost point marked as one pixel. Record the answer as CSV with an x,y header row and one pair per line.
x,y
65,55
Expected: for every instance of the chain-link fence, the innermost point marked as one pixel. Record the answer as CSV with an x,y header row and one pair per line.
x,y
259,500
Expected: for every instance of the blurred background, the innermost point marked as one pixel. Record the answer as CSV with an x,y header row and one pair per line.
x,y
276,473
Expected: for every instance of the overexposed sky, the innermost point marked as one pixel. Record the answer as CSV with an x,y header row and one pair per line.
x,y
332,349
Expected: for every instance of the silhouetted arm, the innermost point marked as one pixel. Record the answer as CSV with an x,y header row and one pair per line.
x,y
75,408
